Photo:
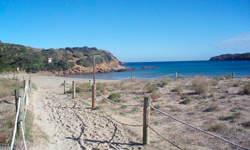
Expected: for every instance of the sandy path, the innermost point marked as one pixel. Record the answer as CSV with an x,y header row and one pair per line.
x,y
71,125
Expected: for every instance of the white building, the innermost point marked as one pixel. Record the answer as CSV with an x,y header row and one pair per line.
x,y
49,60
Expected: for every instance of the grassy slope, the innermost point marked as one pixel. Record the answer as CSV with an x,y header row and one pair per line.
x,y
32,59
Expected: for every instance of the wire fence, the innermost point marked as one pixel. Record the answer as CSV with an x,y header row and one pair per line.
x,y
25,146
116,102
159,111
125,124
164,138
15,127
19,120
196,128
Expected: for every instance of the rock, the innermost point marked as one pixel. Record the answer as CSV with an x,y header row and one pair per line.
x,y
244,56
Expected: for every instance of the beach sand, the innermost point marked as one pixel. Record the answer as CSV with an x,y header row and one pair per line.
x,y
71,123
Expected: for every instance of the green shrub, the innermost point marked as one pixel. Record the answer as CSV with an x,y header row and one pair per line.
x,y
233,117
186,101
116,98
212,108
149,88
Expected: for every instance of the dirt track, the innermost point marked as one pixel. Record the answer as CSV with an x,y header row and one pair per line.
x,y
71,125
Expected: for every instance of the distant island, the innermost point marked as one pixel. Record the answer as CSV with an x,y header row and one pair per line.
x,y
244,56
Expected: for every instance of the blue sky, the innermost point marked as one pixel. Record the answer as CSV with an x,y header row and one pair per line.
x,y
132,30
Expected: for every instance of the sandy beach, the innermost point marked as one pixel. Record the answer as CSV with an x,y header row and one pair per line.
x,y
72,124
69,124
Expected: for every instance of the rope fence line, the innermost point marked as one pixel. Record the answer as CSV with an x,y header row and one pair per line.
x,y
139,78
82,97
196,128
83,88
15,127
21,111
164,138
24,99
181,75
133,125
116,102
149,127
24,142
165,76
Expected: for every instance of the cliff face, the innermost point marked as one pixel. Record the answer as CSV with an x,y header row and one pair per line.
x,y
69,60
244,56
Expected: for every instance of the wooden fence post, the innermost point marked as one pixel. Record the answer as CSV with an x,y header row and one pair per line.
x,y
131,78
30,84
73,89
93,96
25,84
146,117
64,88
233,75
19,93
175,75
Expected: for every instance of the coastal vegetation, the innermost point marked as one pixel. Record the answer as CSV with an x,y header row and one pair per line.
x,y
198,101
8,113
33,59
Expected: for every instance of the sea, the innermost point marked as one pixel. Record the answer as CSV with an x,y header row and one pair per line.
x,y
182,68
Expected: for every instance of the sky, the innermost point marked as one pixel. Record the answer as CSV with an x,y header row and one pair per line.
x,y
132,30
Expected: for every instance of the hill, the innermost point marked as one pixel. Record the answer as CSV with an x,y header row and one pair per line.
x,y
244,56
69,60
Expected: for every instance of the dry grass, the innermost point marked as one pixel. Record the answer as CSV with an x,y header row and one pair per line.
x,y
245,89
155,96
212,108
228,76
232,117
150,87
200,85
178,89
217,127
214,81
84,87
164,82
224,111
7,115
186,100
7,86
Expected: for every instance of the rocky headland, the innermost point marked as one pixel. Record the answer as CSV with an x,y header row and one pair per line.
x,y
244,56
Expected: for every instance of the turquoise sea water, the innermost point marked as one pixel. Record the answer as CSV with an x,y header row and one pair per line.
x,y
183,68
